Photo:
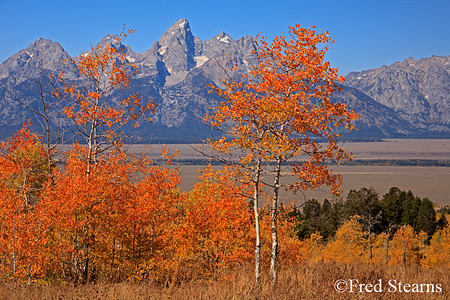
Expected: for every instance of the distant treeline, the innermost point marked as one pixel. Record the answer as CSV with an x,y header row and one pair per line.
x,y
398,162
357,162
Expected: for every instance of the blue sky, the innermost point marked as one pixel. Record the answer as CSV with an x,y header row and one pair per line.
x,y
368,34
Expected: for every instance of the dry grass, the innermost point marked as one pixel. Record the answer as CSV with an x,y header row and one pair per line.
x,y
312,281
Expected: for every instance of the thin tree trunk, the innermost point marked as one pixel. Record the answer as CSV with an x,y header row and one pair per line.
x,y
86,259
274,254
387,246
112,258
256,211
404,245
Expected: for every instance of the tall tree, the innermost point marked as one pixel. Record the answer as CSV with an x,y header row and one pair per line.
x,y
392,206
47,110
426,218
281,110
208,234
410,210
94,114
365,203
23,170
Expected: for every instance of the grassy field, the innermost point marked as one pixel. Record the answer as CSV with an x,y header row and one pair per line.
x,y
310,281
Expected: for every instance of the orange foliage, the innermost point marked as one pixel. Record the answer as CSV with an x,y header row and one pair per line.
x,y
282,106
379,248
313,248
96,216
89,103
279,111
109,223
23,168
215,230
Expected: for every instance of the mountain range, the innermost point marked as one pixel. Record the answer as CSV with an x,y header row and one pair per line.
x,y
409,99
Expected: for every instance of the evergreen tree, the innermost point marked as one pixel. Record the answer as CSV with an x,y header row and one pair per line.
x,y
411,210
366,204
308,219
328,223
441,222
426,217
392,208
324,218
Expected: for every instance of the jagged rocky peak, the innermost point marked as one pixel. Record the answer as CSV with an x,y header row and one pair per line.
x,y
177,48
179,31
222,37
44,48
28,62
198,46
218,45
111,39
44,44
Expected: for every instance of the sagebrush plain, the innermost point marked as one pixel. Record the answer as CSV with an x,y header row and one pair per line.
x,y
431,182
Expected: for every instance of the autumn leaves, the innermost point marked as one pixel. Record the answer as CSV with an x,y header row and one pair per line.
x,y
279,111
103,213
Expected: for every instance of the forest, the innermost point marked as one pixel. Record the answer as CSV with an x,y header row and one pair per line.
x,y
101,214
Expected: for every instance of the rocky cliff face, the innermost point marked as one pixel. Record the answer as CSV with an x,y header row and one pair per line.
x,y
26,64
417,90
406,99
18,77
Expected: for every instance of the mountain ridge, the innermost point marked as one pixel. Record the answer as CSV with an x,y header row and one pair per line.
x,y
391,100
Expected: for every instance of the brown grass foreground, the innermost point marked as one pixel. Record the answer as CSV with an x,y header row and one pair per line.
x,y
311,281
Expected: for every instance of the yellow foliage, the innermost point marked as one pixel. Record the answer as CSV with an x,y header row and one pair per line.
x,y
437,254
349,244
406,247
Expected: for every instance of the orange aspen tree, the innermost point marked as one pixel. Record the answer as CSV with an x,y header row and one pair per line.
x,y
115,223
379,248
209,236
23,172
279,111
81,211
149,221
314,248
93,112
95,115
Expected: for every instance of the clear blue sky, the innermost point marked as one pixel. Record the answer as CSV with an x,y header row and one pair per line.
x,y
368,33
